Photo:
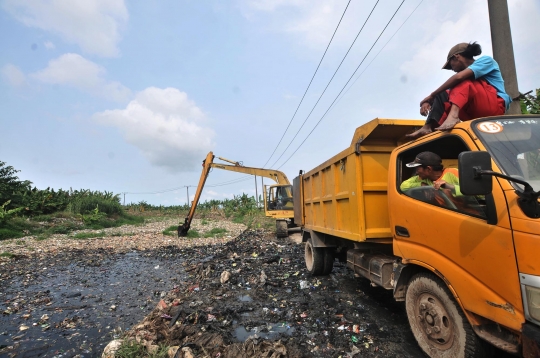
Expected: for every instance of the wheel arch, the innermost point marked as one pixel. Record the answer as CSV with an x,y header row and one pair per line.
x,y
406,271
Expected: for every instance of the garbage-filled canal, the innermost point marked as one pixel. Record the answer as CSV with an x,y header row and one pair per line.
x,y
76,302
247,297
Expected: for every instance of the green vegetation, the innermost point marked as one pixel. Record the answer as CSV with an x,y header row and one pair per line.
x,y
28,211
171,231
530,103
193,234
7,254
133,349
215,232
88,235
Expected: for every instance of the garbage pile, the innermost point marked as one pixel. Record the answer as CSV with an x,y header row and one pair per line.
x,y
252,297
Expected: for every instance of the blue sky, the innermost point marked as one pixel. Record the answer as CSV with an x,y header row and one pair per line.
x,y
130,96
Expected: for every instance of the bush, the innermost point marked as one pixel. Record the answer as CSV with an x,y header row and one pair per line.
x,y
87,203
530,104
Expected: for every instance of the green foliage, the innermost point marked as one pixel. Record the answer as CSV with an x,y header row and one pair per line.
x,y
204,222
193,234
6,214
88,235
215,232
93,217
171,230
134,349
7,254
86,201
530,104
11,188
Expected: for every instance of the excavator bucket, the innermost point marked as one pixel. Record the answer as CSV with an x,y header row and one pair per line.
x,y
183,229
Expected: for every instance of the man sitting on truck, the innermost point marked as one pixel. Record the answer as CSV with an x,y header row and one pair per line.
x,y
476,90
430,172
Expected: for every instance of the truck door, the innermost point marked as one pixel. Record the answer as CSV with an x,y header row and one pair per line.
x,y
465,240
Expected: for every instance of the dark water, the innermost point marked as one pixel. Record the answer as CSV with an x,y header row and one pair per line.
x,y
88,305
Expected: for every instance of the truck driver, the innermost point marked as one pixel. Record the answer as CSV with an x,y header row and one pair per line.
x,y
430,172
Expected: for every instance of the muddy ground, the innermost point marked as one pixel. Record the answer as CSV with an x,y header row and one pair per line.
x,y
248,296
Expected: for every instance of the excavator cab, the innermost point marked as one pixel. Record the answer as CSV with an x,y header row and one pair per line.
x,y
279,197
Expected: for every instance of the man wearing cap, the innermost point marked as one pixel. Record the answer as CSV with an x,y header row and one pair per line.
x,y
476,90
429,172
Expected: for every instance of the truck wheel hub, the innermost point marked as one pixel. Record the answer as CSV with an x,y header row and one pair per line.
x,y
435,321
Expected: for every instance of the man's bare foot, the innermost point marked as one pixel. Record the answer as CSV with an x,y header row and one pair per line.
x,y
448,124
426,129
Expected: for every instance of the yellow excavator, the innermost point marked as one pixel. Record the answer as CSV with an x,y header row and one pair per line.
x,y
278,198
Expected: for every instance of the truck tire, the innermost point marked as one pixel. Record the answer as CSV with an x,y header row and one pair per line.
x,y
437,322
281,228
319,260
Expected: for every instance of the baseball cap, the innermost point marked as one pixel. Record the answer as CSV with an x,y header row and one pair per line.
x,y
459,48
425,158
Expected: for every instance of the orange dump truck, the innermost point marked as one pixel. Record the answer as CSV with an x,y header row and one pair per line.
x,y
466,264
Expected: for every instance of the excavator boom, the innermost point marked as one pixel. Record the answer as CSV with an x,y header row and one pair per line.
x,y
208,163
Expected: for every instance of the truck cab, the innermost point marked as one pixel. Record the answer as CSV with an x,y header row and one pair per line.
x,y
485,247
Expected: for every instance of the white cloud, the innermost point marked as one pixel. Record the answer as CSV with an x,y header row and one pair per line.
x,y
312,20
13,75
49,45
74,70
431,51
94,25
165,125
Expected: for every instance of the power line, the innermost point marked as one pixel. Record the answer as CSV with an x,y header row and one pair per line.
x,y
229,182
373,59
328,84
317,69
157,192
344,85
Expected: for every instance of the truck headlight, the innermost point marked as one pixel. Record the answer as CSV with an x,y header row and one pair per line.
x,y
533,301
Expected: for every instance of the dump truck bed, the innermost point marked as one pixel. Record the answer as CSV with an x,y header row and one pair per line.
x,y
346,196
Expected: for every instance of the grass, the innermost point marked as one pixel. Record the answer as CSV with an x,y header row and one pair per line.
x,y
171,231
133,349
88,235
214,232
204,222
7,254
43,226
193,234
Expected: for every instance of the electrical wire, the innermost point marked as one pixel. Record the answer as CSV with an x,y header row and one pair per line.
x,y
388,23
328,84
316,70
159,191
373,59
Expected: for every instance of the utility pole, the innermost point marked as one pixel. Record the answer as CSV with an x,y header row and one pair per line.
x,y
503,50
187,193
262,187
256,194
124,199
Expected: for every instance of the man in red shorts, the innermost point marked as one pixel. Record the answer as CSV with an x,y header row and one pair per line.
x,y
476,90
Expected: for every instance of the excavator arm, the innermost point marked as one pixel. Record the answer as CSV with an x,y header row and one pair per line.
x,y
208,163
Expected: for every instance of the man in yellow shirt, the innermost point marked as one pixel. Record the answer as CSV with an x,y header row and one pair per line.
x,y
430,172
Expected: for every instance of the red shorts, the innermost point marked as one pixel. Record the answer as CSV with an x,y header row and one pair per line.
x,y
475,99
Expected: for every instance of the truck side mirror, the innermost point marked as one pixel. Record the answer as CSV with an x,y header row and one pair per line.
x,y
471,182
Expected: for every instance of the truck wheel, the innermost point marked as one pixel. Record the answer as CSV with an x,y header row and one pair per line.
x,y
281,228
319,260
439,326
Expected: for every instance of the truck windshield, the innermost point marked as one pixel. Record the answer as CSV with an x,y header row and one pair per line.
x,y
514,145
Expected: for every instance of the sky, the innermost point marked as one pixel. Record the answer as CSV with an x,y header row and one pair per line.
x,y
130,96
